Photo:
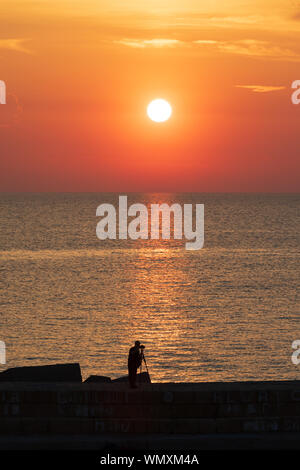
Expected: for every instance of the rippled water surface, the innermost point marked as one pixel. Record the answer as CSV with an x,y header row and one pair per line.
x,y
227,312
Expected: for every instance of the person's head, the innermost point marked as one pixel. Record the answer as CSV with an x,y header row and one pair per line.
x,y
137,344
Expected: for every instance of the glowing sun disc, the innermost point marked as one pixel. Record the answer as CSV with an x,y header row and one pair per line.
x,y
159,110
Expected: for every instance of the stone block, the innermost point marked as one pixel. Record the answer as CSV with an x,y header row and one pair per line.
x,y
261,425
10,426
35,426
229,425
204,397
51,373
290,424
239,410
143,378
97,379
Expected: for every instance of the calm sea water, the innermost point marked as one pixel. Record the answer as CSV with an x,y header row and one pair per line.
x,y
227,312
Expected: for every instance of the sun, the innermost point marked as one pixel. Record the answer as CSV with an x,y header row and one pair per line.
x,y
159,110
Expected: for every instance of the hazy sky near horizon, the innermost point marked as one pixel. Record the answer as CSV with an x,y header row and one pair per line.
x,y
80,73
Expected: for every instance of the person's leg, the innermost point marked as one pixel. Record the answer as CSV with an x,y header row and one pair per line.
x,y
134,376
131,376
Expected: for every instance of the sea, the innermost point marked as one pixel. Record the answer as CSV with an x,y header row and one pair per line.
x,y
227,312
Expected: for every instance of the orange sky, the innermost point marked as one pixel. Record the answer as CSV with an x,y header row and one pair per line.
x,y
80,73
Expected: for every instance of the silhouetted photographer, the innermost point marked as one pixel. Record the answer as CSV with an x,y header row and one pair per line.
x,y
135,357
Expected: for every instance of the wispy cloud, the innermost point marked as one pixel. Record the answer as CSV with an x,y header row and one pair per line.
x,y
14,45
220,21
207,42
251,47
244,47
143,43
261,88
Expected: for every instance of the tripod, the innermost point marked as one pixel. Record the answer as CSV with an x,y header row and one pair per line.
x,y
144,359
141,367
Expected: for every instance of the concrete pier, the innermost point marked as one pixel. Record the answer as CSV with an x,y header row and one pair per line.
x,y
154,417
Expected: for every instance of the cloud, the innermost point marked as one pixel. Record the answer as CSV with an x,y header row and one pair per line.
x,y
143,43
261,88
14,45
206,42
251,47
244,47
220,21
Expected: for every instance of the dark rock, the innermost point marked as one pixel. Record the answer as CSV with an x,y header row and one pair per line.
x,y
51,373
144,378
97,379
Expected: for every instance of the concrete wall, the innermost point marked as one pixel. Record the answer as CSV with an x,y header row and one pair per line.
x,y
48,409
